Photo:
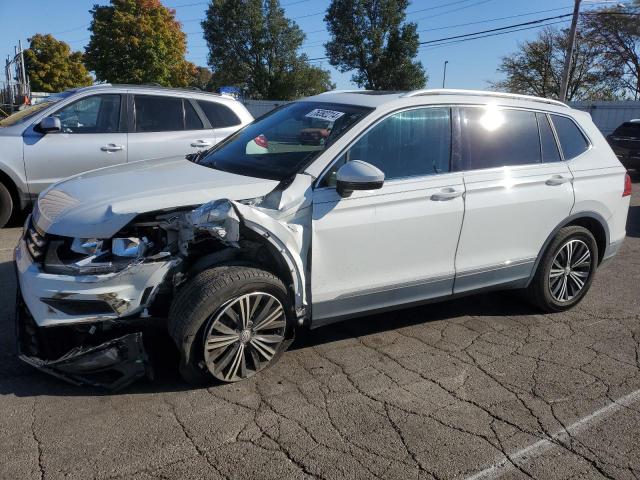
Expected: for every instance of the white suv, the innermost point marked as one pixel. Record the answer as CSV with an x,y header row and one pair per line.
x,y
327,208
104,125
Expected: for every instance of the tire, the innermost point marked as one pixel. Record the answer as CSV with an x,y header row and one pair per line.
x,y
6,205
215,337
556,286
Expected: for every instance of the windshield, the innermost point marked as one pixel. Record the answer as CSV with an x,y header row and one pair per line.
x,y
628,129
285,141
25,114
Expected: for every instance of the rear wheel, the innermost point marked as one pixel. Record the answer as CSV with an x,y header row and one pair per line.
x,y
6,205
566,270
230,323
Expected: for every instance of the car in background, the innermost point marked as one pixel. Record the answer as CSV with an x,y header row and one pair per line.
x,y
104,125
625,142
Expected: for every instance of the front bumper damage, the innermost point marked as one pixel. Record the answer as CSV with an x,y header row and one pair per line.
x,y
106,363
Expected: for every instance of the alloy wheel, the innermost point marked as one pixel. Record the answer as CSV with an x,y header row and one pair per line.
x,y
570,270
244,336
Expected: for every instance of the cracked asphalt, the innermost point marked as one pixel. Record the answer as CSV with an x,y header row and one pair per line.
x,y
482,387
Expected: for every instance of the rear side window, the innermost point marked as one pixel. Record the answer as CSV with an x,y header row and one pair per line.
x,y
493,137
220,116
95,114
550,151
571,138
158,114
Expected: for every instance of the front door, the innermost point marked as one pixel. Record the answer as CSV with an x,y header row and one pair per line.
x,y
517,191
91,138
396,245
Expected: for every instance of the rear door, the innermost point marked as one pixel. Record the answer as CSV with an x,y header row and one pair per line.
x,y
517,191
93,136
165,126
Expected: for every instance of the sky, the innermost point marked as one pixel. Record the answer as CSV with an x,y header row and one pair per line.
x,y
471,64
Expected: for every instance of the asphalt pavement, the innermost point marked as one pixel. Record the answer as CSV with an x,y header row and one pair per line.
x,y
481,387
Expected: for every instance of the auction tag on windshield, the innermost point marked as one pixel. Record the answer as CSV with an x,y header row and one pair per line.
x,y
328,115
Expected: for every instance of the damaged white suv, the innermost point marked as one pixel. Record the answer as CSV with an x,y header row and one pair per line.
x,y
327,208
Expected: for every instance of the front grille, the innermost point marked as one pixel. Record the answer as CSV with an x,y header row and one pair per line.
x,y
36,242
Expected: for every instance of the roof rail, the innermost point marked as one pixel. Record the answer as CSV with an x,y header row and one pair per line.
x,y
345,91
482,93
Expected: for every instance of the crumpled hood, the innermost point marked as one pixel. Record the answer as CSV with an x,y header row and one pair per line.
x,y
101,202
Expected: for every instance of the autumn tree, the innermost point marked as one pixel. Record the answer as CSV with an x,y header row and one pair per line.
x,y
372,39
137,41
617,32
536,68
52,66
252,45
200,78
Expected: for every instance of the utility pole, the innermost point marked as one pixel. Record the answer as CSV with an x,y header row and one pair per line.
x,y
444,74
569,55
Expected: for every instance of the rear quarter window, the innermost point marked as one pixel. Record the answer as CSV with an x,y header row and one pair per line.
x,y
220,116
572,141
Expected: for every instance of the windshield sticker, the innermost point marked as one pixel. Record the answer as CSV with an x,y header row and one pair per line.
x,y
328,115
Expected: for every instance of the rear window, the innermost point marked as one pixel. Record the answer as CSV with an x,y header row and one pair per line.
x,y
158,114
572,140
628,129
550,151
220,116
493,137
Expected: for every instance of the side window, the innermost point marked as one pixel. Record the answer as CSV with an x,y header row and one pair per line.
x,y
191,119
493,137
406,144
158,114
550,151
571,138
95,114
220,116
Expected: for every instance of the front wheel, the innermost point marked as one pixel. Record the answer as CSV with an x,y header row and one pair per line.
x,y
6,205
230,323
566,270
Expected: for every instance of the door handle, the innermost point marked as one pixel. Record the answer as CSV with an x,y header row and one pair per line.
x,y
446,194
201,143
112,147
557,180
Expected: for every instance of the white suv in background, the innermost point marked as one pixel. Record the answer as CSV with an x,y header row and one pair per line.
x,y
406,198
105,125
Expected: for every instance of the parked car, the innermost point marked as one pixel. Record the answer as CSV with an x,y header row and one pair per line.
x,y
413,198
625,142
105,125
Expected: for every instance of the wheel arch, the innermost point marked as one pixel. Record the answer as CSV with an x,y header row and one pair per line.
x,y
592,221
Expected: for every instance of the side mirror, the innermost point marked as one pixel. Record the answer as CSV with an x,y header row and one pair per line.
x,y
50,124
358,175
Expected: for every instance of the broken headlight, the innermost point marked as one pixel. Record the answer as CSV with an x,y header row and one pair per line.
x,y
90,256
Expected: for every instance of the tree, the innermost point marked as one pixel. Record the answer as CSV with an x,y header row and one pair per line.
x,y
617,32
137,41
52,66
201,78
369,36
536,68
252,45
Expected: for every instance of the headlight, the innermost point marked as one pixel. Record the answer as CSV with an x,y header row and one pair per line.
x,y
129,247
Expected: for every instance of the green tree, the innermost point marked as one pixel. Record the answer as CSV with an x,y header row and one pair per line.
x,y
617,32
52,66
371,38
536,68
252,45
137,41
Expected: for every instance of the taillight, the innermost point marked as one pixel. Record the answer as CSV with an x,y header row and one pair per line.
x,y
627,185
261,141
